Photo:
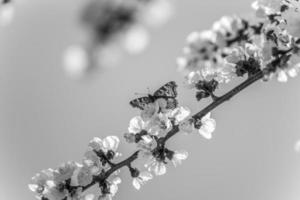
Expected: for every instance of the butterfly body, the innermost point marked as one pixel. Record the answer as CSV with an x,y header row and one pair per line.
x,y
167,92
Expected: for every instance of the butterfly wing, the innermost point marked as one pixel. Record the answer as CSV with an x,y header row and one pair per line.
x,y
166,91
141,102
169,93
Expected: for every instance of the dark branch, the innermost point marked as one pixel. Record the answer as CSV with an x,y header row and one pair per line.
x,y
175,130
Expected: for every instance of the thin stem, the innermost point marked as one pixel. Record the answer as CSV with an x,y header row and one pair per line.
x,y
121,164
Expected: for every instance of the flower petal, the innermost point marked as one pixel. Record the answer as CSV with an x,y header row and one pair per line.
x,y
111,143
145,176
136,124
160,169
136,183
96,144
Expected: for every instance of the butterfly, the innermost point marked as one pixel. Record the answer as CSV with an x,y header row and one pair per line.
x,y
167,92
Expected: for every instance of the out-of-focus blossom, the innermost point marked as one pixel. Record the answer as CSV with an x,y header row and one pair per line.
x,y
92,161
227,29
110,143
106,56
7,12
141,179
76,61
180,114
136,39
157,12
64,172
115,26
291,71
40,182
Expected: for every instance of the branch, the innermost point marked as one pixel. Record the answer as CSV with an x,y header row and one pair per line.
x,y
175,130
114,168
218,102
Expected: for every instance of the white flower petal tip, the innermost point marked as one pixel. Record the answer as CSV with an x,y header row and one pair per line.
x,y
33,187
208,127
158,12
178,157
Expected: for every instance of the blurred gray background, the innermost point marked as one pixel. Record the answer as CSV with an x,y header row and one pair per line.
x,y
47,119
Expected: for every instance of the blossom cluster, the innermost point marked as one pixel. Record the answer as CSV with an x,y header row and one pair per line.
x,y
70,179
148,131
154,122
235,47
114,26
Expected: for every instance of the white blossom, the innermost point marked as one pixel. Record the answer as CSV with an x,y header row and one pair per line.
x,y
141,179
39,183
157,167
7,12
110,143
208,125
82,176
